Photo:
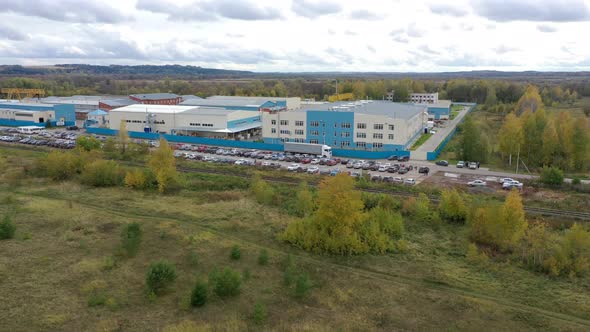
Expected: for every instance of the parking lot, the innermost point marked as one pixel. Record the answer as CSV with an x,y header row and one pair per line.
x,y
52,138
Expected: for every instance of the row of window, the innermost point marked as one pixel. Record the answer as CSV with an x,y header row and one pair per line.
x,y
201,124
343,144
155,122
364,145
345,125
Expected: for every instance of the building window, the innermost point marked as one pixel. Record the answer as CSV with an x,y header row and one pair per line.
x,y
391,137
345,144
345,134
391,127
299,140
361,144
284,140
378,136
378,126
298,131
273,122
299,123
273,130
313,141
314,133
314,123
335,143
361,135
345,125
361,126
284,122
285,132
377,145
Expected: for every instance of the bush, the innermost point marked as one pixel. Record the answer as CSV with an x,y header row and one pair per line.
x,y
135,179
131,238
226,283
60,165
302,286
263,192
451,207
7,228
160,275
259,314
551,176
199,294
101,173
263,257
235,253
576,181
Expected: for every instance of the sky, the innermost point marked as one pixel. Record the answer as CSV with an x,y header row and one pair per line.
x,y
301,35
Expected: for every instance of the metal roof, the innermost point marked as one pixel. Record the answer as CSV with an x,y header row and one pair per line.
x,y
155,96
386,108
118,102
226,102
175,109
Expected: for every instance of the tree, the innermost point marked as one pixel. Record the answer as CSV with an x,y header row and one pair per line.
x,y
225,283
511,223
550,144
531,100
302,286
452,207
160,275
87,143
304,202
552,176
510,136
7,228
135,179
581,144
101,173
123,138
537,245
259,314
131,235
110,148
471,147
263,192
61,165
199,294
573,255
163,164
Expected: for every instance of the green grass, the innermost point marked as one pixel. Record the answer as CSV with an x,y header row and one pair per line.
x,y
421,141
68,275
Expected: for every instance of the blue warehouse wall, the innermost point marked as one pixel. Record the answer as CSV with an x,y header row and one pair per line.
x,y
327,120
438,111
66,111
27,107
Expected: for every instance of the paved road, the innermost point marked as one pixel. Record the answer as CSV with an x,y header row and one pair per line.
x,y
441,133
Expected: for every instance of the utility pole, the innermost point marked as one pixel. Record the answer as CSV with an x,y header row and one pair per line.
x,y
517,158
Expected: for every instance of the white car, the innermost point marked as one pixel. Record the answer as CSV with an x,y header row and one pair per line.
x,y
511,184
460,164
410,181
503,180
313,170
293,167
240,162
472,165
477,183
397,179
383,168
315,161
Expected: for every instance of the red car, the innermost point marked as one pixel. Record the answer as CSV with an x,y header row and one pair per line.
x,y
331,162
202,148
306,160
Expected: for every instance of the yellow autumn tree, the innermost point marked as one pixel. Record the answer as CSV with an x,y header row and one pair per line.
x,y
530,101
510,136
123,138
511,223
163,164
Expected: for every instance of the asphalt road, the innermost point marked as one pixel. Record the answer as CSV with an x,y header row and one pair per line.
x,y
441,133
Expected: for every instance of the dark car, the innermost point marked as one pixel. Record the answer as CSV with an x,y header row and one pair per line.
x,y
442,163
402,170
394,157
344,161
404,158
424,170
72,128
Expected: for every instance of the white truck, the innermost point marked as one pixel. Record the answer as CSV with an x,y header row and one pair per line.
x,y
308,148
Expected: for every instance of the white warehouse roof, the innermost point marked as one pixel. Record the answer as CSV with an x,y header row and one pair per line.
x,y
173,109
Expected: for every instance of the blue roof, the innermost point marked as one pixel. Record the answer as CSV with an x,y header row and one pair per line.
x,y
98,112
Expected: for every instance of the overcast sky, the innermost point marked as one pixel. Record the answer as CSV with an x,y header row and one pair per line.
x,y
301,35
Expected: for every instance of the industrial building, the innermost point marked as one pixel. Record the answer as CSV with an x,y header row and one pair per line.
x,y
179,120
361,125
259,104
156,99
424,98
82,104
440,110
18,114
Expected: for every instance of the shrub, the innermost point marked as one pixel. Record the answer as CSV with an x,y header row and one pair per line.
x,y
131,238
87,143
235,253
135,179
576,181
101,173
60,165
474,256
263,257
199,294
263,192
551,176
451,207
160,275
259,314
7,228
289,270
226,283
302,286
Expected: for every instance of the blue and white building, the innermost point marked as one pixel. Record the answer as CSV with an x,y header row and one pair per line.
x,y
259,104
440,110
196,121
361,125
33,114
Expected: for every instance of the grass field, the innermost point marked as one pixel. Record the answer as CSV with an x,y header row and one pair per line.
x,y
67,239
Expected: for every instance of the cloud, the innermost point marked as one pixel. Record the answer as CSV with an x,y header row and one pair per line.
x,y
371,49
210,10
313,9
546,28
363,14
87,11
9,33
446,9
503,49
350,33
414,31
532,10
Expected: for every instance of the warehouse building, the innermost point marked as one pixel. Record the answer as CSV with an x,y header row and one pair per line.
x,y
440,110
83,104
361,125
156,99
424,98
188,121
259,104
18,114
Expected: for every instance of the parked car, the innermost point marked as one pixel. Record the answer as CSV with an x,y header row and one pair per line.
x,y
325,171
472,165
460,164
402,170
335,172
424,170
394,157
293,167
398,180
345,162
503,180
313,170
477,183
404,158
388,179
376,177
512,184
410,181
442,163
315,161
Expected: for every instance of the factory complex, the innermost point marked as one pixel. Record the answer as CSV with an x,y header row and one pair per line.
x,y
364,125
